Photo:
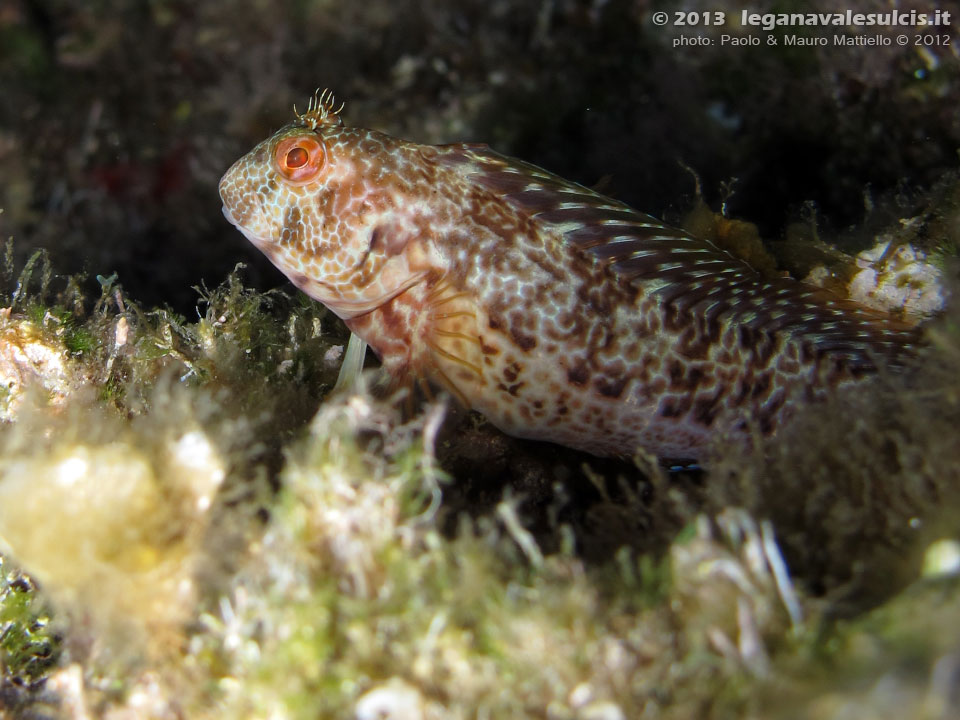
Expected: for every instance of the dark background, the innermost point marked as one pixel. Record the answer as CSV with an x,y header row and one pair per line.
x,y
118,118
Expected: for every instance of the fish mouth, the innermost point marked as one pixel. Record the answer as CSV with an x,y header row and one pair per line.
x,y
259,241
228,214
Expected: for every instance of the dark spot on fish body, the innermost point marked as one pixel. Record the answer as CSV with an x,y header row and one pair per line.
x,y
523,341
767,422
578,374
488,349
726,357
695,376
761,386
642,326
520,319
743,389
515,388
675,407
393,322
676,371
705,410
391,241
611,388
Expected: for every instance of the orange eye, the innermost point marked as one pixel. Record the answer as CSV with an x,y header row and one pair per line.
x,y
300,159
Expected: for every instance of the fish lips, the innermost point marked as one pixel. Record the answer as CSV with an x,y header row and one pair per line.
x,y
261,242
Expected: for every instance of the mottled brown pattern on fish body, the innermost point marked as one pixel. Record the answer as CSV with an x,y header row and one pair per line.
x,y
557,312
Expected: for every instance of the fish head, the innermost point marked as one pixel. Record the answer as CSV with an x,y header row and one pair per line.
x,y
313,199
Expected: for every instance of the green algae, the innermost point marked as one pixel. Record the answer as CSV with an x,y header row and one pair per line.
x,y
28,644
218,553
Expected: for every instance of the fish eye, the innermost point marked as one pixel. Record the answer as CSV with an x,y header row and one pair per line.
x,y
300,159
297,158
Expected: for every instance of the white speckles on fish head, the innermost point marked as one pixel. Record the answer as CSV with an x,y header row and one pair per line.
x,y
323,203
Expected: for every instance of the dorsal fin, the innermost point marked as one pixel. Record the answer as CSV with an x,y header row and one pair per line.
x,y
691,274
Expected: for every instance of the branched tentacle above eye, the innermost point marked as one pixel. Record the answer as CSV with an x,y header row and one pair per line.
x,y
320,110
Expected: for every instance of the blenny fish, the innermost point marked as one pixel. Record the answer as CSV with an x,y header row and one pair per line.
x,y
558,313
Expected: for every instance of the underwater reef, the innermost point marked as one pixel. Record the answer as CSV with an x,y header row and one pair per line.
x,y
183,536
193,524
